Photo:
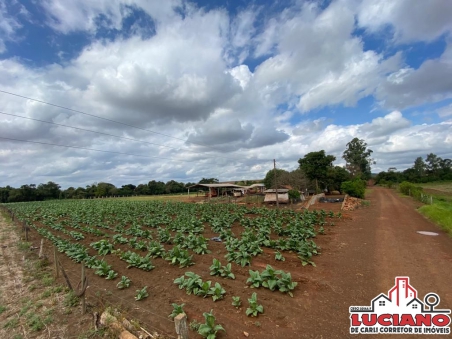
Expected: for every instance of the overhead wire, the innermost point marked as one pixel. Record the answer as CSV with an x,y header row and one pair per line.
x,y
107,134
93,149
107,119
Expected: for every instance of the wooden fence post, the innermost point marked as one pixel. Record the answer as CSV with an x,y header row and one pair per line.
x,y
82,283
55,261
180,322
41,248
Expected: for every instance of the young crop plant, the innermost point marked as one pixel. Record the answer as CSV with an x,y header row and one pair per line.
x,y
164,235
102,269
254,309
156,249
141,294
103,247
209,329
285,283
205,289
177,309
279,256
178,256
190,281
270,278
223,271
236,302
217,292
119,239
216,269
240,257
135,260
111,275
123,283
255,279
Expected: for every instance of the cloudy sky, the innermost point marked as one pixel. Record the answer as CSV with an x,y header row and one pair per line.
x,y
189,89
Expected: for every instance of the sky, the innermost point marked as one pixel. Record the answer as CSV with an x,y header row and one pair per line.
x,y
180,90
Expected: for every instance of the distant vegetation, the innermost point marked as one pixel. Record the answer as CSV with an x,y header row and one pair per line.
x,y
433,168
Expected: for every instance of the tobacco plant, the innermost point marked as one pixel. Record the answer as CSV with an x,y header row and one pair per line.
x,y
123,283
209,329
141,294
177,309
254,309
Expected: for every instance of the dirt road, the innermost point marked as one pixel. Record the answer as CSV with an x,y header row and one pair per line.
x,y
368,252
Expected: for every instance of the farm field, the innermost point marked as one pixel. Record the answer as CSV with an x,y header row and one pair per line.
x,y
154,243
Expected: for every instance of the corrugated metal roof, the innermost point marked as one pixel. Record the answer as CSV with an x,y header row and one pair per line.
x,y
217,186
280,190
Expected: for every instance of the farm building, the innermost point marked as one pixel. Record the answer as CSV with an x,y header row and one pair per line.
x,y
218,190
283,195
256,189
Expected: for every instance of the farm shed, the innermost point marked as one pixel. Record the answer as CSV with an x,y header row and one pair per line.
x,y
256,189
216,190
283,195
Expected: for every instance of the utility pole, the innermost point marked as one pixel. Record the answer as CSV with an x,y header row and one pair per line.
x,y
276,183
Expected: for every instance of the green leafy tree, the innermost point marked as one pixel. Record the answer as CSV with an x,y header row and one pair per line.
x,y
269,180
336,176
316,166
358,160
208,181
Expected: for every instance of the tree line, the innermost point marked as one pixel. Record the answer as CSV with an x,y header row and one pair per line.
x,y
433,168
52,190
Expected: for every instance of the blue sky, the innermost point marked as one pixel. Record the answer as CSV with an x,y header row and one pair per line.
x,y
228,85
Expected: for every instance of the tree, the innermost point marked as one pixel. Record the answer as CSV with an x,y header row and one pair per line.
x,y
336,176
316,166
296,179
208,181
269,180
419,167
357,158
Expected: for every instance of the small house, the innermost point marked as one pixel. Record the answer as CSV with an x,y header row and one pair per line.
x,y
281,193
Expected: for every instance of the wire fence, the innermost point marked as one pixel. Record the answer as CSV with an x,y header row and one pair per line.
x,y
97,292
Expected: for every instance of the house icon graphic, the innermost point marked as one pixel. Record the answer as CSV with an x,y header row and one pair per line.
x,y
400,312
402,292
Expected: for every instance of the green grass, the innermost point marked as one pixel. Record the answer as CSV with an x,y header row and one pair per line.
x,y
440,213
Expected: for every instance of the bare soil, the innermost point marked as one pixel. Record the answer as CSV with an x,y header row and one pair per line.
x,y
360,257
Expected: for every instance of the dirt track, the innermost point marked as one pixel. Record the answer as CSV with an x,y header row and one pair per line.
x,y
368,252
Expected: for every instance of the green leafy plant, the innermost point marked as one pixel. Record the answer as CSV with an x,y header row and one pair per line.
x,y
255,279
177,309
123,283
209,329
179,256
194,325
217,292
254,309
285,283
141,294
102,269
236,302
279,256
190,281
270,278
111,275
103,247
223,271
135,260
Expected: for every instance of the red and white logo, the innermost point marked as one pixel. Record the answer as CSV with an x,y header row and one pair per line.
x,y
400,312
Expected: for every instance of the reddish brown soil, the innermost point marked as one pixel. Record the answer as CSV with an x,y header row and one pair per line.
x,y
361,255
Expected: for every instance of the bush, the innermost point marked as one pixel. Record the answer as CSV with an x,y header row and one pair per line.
x,y
355,188
294,195
409,188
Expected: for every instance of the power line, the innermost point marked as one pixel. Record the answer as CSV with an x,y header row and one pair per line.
x,y
93,149
111,135
106,119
